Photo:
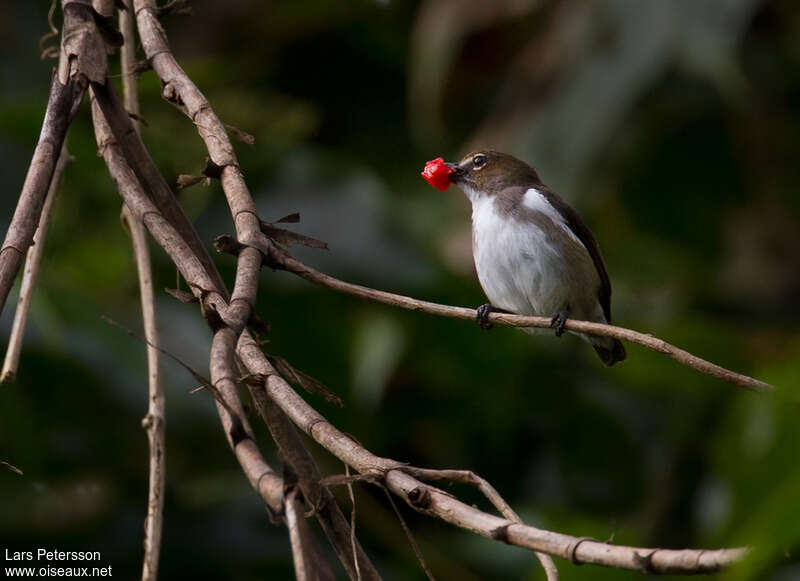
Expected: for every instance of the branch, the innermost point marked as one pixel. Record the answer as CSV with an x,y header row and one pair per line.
x,y
299,536
469,477
178,89
261,476
61,107
320,498
409,535
579,550
122,131
154,421
285,261
437,503
309,563
234,421
31,273
234,314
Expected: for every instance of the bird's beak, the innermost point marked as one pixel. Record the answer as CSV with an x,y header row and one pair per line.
x,y
455,171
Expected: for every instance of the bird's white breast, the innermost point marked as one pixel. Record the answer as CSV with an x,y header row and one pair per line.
x,y
523,265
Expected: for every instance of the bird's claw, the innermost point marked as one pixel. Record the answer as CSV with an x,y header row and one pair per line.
x,y
558,321
482,316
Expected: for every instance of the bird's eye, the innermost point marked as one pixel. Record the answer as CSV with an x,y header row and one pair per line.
x,y
479,161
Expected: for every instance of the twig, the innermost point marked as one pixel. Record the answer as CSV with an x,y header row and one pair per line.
x,y
412,541
467,477
293,451
304,546
293,510
285,261
30,274
489,491
11,467
155,421
353,522
48,51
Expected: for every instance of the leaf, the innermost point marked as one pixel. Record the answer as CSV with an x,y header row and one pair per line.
x,y
227,244
140,119
291,218
242,136
304,380
183,296
187,180
289,238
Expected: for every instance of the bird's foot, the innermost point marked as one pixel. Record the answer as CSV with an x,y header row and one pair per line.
x,y
482,315
558,321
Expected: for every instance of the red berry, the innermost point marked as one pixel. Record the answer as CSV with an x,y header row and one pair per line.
x,y
437,174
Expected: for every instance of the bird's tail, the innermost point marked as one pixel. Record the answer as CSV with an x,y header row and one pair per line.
x,y
609,350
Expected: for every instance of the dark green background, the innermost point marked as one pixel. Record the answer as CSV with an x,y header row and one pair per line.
x,y
671,126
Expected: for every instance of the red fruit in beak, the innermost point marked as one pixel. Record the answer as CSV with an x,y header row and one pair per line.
x,y
437,173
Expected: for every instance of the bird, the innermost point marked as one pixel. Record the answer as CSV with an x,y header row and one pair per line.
x,y
533,253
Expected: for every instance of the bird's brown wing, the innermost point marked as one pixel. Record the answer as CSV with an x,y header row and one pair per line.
x,y
575,223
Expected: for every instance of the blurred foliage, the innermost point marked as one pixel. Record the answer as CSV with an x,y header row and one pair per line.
x,y
671,126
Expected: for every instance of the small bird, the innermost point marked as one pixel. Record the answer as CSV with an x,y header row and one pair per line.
x,y
533,253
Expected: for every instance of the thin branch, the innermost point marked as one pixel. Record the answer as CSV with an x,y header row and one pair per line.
x,y
579,550
61,107
283,260
434,502
234,314
466,477
155,421
178,89
122,131
353,542
261,476
11,467
305,549
30,274
411,540
234,421
298,538
489,491
322,501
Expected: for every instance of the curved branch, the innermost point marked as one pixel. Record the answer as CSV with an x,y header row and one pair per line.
x,y
434,502
263,479
319,498
284,261
579,550
491,494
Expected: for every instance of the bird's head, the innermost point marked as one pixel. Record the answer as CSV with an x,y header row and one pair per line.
x,y
487,172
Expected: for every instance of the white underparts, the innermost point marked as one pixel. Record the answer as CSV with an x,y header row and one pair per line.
x,y
532,267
